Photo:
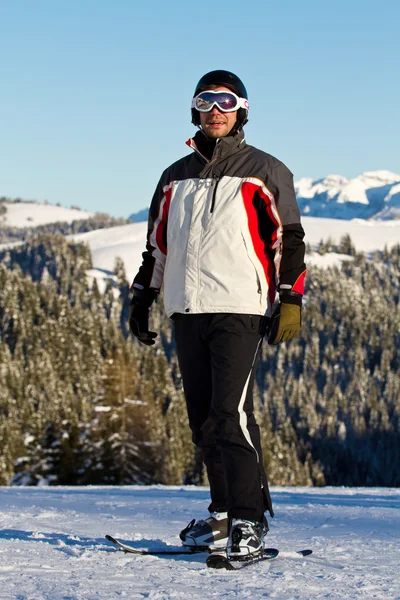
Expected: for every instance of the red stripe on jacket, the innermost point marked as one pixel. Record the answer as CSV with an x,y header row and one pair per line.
x,y
249,189
299,284
163,221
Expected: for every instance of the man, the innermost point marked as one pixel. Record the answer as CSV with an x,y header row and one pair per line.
x,y
224,237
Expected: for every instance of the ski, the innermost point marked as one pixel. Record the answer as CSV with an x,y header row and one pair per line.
x,y
127,548
219,560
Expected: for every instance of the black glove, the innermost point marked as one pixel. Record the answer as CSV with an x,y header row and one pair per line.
x,y
139,315
286,319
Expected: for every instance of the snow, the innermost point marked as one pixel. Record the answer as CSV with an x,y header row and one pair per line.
x,y
394,191
308,188
52,545
125,241
379,178
330,259
32,214
129,241
354,191
366,235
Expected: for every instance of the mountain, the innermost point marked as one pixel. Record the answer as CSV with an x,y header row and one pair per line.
x,y
374,194
139,216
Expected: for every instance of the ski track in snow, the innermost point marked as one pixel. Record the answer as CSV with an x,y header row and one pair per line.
x,y
52,545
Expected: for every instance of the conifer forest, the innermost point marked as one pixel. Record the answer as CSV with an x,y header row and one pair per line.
x,y
82,402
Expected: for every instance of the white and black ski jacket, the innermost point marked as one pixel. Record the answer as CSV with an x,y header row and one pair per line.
x,y
224,232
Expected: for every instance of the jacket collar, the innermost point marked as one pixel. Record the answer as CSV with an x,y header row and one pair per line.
x,y
215,149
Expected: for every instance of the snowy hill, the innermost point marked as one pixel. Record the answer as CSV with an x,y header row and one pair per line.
x,y
375,194
32,214
53,546
128,242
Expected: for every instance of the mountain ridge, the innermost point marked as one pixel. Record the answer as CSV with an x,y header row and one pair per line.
x,y
371,195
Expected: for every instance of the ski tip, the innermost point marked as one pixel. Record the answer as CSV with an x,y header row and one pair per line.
x,y
110,538
305,552
273,552
219,561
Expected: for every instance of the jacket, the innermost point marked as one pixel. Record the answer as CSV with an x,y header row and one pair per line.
x,y
224,231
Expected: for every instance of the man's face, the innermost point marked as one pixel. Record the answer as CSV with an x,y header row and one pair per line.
x,y
215,123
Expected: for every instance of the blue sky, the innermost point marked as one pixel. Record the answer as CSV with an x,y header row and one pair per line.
x,y
95,95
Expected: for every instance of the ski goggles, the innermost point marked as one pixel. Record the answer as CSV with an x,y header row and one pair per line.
x,y
224,101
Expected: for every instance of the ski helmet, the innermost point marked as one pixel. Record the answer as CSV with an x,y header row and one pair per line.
x,y
232,82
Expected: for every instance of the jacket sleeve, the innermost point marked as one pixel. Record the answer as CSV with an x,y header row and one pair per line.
x,y
280,230
151,272
292,269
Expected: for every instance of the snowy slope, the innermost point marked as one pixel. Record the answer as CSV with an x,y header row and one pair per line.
x,y
128,242
366,235
32,214
125,241
52,545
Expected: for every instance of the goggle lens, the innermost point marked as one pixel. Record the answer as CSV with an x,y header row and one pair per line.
x,y
225,101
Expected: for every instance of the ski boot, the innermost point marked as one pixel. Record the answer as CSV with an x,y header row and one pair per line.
x,y
246,539
206,534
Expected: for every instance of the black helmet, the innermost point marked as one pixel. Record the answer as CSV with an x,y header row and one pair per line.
x,y
226,79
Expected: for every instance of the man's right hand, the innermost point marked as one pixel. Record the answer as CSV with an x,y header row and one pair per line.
x,y
139,316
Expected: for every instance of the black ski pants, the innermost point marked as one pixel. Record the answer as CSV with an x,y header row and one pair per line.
x,y
218,355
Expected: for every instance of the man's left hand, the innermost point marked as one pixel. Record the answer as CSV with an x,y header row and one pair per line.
x,y
285,323
139,316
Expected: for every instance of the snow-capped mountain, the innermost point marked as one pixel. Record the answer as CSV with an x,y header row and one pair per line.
x,y
374,194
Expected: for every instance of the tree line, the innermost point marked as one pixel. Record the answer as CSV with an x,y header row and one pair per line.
x,y
81,402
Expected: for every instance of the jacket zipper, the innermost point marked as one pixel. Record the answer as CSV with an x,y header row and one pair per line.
x,y
216,181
